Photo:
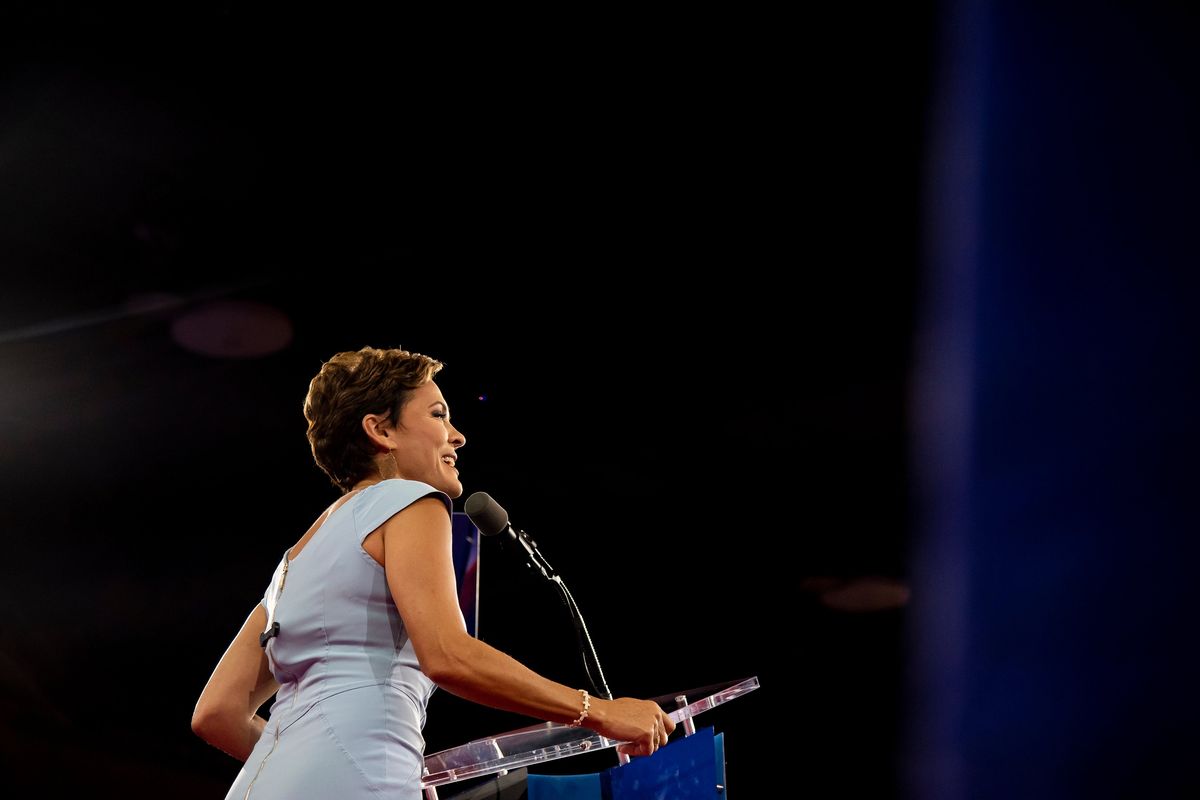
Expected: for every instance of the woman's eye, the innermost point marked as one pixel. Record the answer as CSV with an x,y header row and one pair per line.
x,y
440,414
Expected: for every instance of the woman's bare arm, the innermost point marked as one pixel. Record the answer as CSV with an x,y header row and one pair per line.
x,y
418,561
226,714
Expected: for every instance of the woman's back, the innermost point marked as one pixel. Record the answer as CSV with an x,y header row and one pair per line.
x,y
347,718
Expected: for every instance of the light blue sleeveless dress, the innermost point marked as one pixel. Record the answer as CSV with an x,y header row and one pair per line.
x,y
346,722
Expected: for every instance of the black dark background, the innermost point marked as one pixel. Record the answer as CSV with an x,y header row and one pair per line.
x,y
677,257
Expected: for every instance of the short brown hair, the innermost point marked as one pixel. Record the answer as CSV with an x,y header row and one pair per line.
x,y
349,386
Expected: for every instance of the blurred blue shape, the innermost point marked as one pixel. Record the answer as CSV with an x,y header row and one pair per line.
x,y
1055,427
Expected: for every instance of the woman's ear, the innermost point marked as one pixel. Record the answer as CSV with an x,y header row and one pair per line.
x,y
379,430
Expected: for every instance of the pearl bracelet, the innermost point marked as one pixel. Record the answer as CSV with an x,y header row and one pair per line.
x,y
587,705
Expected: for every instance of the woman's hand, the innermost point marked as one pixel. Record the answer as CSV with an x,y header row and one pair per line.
x,y
641,723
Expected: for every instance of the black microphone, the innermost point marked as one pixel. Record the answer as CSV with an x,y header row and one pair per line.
x,y
491,519
488,515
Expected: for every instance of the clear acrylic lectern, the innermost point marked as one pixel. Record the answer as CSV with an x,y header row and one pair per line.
x,y
550,741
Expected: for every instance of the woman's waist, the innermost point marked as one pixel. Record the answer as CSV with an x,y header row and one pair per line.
x,y
294,699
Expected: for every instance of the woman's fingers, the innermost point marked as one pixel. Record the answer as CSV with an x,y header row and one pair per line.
x,y
649,728
646,745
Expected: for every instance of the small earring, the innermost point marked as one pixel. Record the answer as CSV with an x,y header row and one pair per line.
x,y
379,467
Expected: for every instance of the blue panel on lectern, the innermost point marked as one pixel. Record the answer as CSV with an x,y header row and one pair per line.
x,y
466,568
565,787
719,755
685,769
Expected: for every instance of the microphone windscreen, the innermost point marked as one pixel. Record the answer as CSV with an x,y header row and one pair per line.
x,y
488,515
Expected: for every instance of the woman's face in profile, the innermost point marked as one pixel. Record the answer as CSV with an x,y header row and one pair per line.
x,y
426,441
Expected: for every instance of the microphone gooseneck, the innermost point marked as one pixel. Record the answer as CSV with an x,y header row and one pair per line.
x,y
491,519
